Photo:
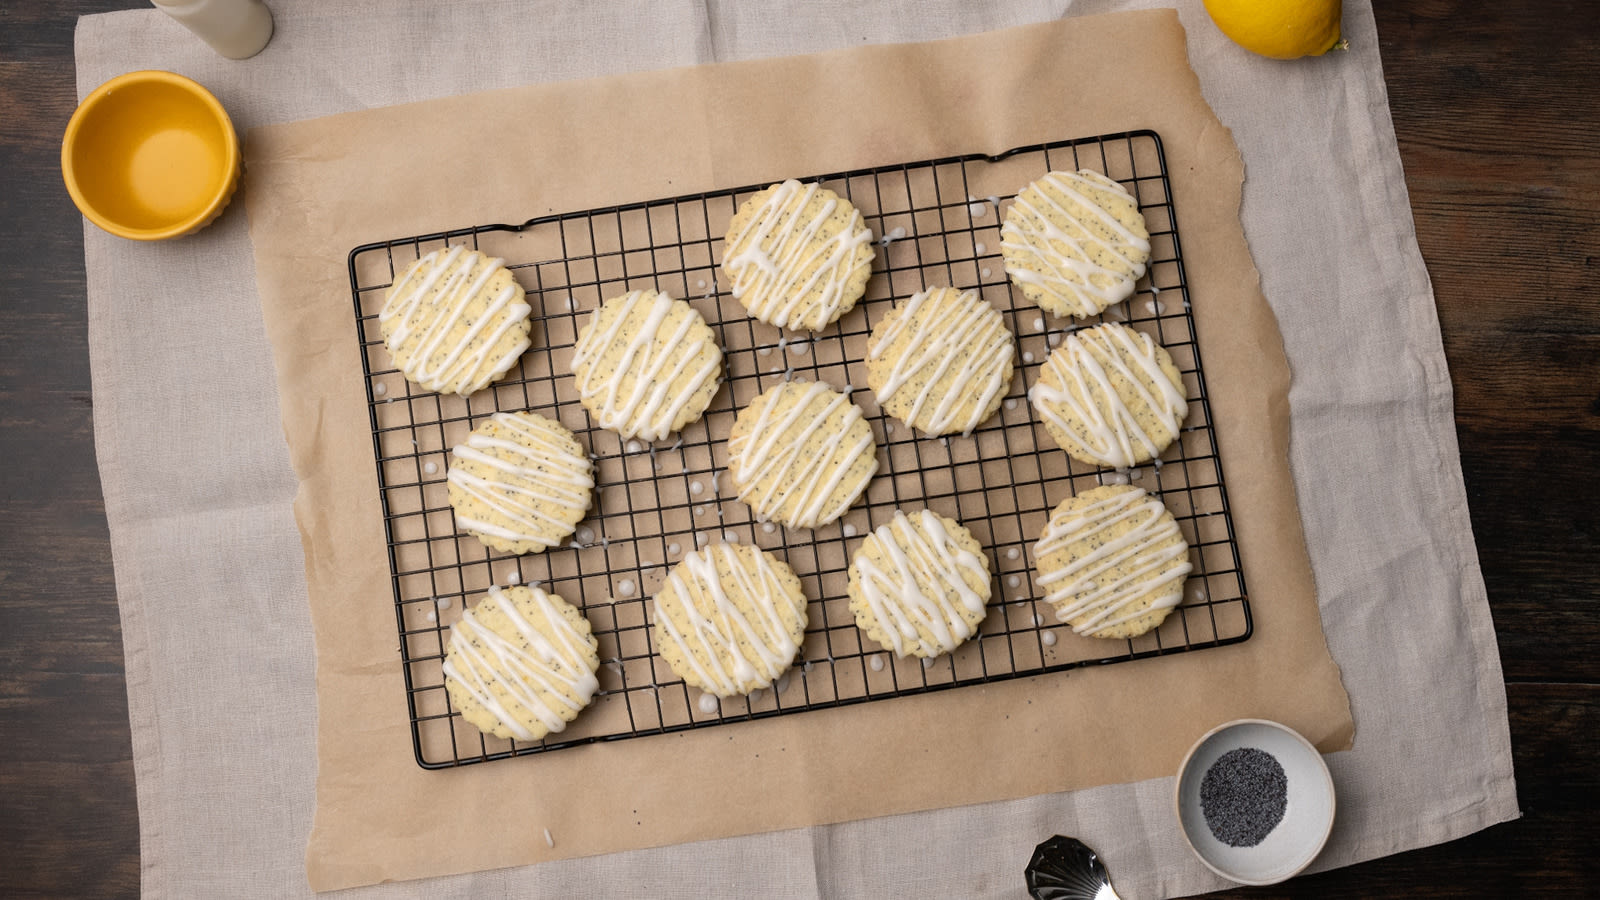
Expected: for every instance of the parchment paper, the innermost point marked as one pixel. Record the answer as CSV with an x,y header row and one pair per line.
x,y
320,187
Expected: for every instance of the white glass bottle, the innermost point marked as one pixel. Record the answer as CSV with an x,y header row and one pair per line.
x,y
237,29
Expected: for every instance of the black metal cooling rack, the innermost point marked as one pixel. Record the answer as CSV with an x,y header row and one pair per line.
x,y
938,223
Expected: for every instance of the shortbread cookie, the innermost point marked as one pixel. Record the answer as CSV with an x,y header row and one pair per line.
x,y
940,361
799,255
521,482
920,584
730,618
646,365
1113,561
1075,242
800,454
455,321
521,664
1111,396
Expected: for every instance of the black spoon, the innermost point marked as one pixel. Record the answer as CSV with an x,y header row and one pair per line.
x,y
1065,868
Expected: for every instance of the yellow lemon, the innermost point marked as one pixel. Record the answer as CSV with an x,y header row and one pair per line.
x,y
1281,29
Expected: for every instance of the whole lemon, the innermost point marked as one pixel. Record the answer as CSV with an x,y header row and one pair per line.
x,y
1281,29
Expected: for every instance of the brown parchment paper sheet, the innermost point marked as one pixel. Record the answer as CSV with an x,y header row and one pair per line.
x,y
318,188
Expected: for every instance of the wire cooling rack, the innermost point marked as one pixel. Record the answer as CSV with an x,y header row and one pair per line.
x,y
937,223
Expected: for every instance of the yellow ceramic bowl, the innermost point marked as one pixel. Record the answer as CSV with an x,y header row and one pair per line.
x,y
150,155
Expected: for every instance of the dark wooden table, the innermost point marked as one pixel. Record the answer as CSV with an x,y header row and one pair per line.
x,y
1497,109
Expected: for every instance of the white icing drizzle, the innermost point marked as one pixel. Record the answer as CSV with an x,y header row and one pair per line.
x,y
923,565
1084,367
1088,586
729,648
654,357
774,450
775,248
459,364
542,672
968,342
1066,277
547,473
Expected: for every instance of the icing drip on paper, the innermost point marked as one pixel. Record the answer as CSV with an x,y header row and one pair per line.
x,y
967,340
909,594
1088,367
1066,257
541,672
662,350
778,260
539,470
465,364
1108,577
727,645
776,462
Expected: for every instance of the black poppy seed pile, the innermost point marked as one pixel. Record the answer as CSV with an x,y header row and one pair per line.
x,y
1243,796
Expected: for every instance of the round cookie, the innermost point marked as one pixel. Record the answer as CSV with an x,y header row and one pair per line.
x,y
1113,561
1075,242
799,255
520,483
1111,396
455,321
521,664
800,454
730,618
940,361
646,365
919,585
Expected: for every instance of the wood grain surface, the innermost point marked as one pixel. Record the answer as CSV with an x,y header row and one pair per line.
x,y
1497,111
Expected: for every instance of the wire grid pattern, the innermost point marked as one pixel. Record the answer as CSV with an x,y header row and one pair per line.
x,y
936,222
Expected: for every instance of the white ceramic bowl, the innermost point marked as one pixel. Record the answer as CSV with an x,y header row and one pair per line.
x,y
1307,817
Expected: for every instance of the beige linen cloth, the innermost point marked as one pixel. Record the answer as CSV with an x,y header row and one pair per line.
x,y
208,559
